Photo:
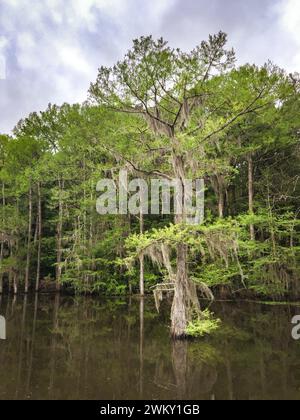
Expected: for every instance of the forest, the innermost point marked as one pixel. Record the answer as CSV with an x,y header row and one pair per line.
x,y
160,113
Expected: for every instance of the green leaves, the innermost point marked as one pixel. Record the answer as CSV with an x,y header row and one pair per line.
x,y
157,107
202,327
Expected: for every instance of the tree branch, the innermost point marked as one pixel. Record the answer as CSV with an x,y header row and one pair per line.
x,y
137,169
247,110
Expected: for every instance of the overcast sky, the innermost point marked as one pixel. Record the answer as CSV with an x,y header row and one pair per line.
x,y
50,49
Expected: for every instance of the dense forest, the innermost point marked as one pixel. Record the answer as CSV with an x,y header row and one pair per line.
x,y
159,112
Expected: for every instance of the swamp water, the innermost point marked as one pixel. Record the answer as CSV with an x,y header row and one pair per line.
x,y
60,347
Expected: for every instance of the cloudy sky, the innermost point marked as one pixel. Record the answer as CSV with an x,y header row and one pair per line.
x,y
50,49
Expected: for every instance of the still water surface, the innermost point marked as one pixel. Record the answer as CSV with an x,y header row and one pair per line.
x,y
64,348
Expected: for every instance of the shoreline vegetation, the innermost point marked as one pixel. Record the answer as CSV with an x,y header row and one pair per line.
x,y
160,112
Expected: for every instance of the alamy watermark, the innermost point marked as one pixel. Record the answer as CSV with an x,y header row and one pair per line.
x,y
2,328
296,329
157,197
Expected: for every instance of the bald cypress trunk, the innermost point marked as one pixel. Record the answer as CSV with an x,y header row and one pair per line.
x,y
28,259
142,259
185,302
251,193
221,204
39,234
1,262
13,274
179,315
2,239
59,237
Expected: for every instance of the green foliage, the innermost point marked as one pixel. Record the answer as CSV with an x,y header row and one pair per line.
x,y
195,106
202,327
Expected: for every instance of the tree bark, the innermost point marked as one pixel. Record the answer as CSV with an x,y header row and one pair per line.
x,y
221,204
28,240
219,188
185,302
59,237
1,261
179,316
38,270
271,224
142,268
13,275
251,194
2,240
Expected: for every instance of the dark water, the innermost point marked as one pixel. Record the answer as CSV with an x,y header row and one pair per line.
x,y
65,348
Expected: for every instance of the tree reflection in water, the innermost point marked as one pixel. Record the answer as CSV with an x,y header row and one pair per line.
x,y
65,348
2,323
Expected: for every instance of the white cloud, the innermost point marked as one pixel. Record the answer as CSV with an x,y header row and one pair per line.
x,y
3,43
3,47
26,47
79,13
289,18
56,47
2,67
72,58
52,48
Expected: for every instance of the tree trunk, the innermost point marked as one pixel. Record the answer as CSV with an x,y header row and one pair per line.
x,y
28,240
221,204
13,275
251,194
2,240
15,283
38,270
271,224
91,238
185,302
1,261
142,279
179,314
59,238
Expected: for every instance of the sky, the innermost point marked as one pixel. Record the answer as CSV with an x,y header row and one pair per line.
x,y
50,50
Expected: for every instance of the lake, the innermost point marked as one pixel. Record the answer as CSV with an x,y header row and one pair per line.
x,y
61,347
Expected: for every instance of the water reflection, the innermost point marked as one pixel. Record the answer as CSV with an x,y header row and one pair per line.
x,y
142,306
2,324
64,348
